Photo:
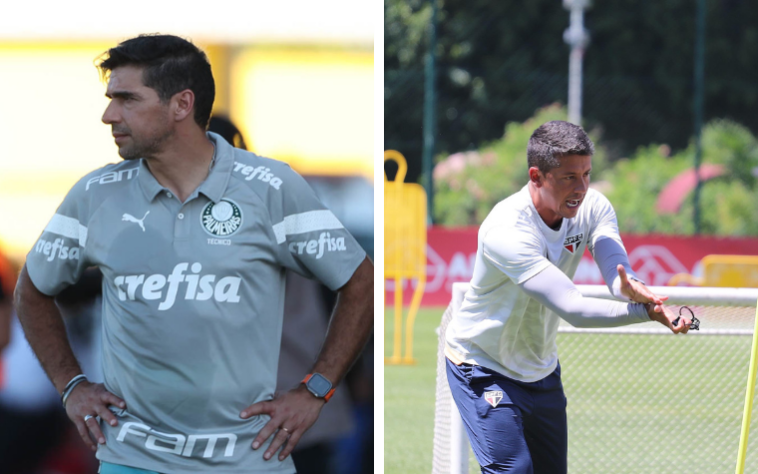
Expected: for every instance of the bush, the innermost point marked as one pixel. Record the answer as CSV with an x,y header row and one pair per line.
x,y
726,202
469,184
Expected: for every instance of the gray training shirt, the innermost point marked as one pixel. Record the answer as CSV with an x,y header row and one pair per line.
x,y
193,295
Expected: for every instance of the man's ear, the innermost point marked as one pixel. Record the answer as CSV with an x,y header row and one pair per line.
x,y
536,176
183,105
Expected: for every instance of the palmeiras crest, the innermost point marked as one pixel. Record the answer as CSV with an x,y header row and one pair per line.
x,y
221,219
493,397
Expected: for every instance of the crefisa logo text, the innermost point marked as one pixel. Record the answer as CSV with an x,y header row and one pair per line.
x,y
325,243
56,249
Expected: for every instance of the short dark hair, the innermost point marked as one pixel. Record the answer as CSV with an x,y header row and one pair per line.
x,y
171,64
555,139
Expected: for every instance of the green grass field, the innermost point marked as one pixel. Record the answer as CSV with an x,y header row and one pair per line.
x,y
409,398
636,404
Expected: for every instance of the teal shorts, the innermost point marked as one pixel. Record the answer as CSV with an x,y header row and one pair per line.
x,y
108,468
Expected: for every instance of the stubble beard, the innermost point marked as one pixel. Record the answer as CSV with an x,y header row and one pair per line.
x,y
145,148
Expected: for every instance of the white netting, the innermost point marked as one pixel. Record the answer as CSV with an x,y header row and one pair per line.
x,y
640,399
443,408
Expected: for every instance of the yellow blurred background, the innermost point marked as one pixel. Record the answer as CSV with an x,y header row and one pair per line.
x,y
304,98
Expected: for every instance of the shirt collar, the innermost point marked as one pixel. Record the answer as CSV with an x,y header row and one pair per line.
x,y
150,186
214,185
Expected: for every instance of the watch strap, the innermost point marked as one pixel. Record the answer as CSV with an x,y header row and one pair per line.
x,y
327,396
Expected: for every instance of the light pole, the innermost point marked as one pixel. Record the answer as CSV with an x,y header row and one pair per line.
x,y
578,38
698,106
429,113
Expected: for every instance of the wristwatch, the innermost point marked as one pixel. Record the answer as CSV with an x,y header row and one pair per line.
x,y
319,386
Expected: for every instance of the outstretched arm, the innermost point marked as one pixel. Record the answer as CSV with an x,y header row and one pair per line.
x,y
295,411
46,333
552,288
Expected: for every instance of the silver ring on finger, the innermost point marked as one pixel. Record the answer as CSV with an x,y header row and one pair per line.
x,y
286,431
86,418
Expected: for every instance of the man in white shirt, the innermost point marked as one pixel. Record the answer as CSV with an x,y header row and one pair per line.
x,y
503,365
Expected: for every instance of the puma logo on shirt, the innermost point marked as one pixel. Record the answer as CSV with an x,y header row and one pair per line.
x,y
131,218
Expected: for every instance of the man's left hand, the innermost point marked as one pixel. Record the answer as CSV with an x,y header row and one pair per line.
x,y
637,291
292,413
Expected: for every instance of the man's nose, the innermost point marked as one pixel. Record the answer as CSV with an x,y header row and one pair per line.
x,y
110,116
583,184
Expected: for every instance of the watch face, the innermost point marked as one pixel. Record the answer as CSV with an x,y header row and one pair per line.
x,y
319,385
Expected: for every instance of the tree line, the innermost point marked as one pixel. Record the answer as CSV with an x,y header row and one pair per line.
x,y
499,61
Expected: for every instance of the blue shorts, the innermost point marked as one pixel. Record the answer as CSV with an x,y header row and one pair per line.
x,y
514,427
110,468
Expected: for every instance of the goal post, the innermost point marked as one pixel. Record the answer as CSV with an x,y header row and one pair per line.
x,y
640,399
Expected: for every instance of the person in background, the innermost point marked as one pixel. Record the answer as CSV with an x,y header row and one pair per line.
x,y
222,125
7,284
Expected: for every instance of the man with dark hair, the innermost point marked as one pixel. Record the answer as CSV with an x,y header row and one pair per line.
x,y
192,236
502,362
169,65
554,140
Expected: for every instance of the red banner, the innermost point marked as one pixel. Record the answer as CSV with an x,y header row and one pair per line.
x,y
655,258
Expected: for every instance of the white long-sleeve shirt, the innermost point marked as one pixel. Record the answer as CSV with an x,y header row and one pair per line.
x,y
509,318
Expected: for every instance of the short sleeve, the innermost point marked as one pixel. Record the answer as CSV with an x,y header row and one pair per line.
x,y
516,251
310,239
604,224
57,259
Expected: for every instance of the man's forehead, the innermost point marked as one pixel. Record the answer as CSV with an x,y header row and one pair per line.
x,y
574,164
125,78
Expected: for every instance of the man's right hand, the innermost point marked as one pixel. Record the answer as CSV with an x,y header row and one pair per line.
x,y
664,316
92,399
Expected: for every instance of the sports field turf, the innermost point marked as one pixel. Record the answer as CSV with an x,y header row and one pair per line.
x,y
409,398
636,404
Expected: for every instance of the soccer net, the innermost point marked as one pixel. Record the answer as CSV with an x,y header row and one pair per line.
x,y
640,399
